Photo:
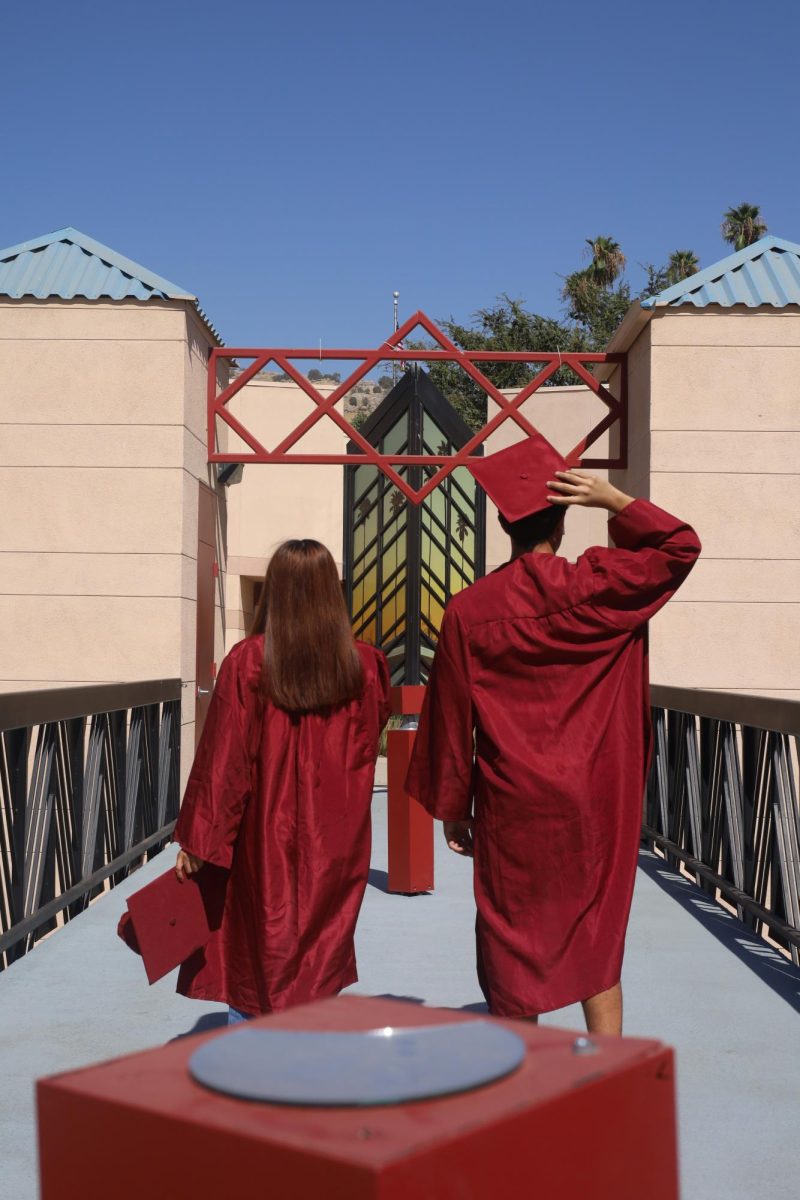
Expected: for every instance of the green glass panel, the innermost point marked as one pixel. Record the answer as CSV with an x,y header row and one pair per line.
x,y
394,442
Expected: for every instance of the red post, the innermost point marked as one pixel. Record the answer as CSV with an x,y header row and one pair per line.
x,y
410,826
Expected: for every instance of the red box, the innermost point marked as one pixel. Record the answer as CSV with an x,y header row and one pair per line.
x,y
566,1126
410,857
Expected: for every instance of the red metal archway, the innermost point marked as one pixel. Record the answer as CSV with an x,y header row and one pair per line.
x,y
393,351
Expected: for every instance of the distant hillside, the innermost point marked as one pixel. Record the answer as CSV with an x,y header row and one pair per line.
x,y
359,402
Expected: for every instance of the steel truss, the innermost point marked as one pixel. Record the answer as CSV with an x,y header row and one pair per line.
x,y
722,800
89,786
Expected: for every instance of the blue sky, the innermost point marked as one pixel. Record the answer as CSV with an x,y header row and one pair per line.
x,y
294,163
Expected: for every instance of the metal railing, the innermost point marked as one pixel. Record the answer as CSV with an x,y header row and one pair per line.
x,y
722,800
89,787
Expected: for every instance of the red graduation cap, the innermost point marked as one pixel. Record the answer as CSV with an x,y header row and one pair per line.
x,y
166,922
516,478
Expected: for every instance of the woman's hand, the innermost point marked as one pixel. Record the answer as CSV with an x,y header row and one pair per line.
x,y
186,865
458,835
576,487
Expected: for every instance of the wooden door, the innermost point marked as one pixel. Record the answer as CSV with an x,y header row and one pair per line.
x,y
207,573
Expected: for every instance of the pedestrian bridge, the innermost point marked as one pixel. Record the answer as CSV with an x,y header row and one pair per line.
x,y
695,977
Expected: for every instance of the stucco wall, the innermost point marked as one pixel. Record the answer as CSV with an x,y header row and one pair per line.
x,y
563,415
721,448
103,444
276,502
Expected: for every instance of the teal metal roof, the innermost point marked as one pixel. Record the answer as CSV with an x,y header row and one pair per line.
x,y
768,272
69,264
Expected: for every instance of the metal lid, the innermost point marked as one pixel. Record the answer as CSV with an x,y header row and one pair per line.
x,y
379,1066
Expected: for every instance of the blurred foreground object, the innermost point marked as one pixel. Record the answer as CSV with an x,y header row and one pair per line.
x,y
578,1119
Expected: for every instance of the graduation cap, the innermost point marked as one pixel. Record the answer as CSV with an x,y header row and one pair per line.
x,y
166,922
516,478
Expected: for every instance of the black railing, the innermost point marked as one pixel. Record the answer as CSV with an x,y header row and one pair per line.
x,y
722,801
89,787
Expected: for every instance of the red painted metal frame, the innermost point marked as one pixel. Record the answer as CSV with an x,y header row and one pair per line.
x,y
394,351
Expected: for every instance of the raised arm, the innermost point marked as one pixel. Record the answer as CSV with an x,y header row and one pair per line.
x,y
654,551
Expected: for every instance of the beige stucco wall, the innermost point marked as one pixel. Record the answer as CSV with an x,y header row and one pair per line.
x,y
718,437
103,410
276,502
564,415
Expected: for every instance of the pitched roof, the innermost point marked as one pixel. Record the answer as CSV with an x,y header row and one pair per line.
x,y
768,272
68,264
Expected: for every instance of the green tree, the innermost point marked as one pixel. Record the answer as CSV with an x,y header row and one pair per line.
x,y
608,261
505,326
743,225
315,375
657,280
595,301
682,264
595,308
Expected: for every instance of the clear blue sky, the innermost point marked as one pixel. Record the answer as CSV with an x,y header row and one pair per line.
x,y
293,163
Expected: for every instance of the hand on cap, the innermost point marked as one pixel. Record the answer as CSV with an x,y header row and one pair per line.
x,y
576,487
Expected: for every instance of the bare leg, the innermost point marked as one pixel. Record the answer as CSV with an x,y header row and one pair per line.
x,y
603,1012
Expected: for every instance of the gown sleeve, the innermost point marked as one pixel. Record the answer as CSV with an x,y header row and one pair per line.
x,y
654,553
441,768
220,779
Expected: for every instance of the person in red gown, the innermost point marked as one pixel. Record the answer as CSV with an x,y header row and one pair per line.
x,y
276,814
534,737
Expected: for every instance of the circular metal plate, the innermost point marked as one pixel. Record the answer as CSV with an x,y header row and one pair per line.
x,y
380,1066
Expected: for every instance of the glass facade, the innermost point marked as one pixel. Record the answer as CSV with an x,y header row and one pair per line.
x,y
403,562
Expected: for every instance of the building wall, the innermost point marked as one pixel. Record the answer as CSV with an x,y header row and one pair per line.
x,y
721,448
563,415
275,502
103,443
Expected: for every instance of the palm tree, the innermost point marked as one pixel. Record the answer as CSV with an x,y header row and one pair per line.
x,y
608,261
743,225
682,264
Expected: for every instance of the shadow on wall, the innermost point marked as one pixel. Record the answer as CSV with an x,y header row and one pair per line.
x,y
777,972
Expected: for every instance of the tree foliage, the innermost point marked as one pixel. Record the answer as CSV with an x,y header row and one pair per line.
x,y
596,298
608,261
743,225
505,326
682,264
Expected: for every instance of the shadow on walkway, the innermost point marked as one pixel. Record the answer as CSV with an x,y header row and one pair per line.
x,y
769,965
405,999
204,1024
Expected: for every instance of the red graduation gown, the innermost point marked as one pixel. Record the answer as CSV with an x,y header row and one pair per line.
x,y
289,862
542,667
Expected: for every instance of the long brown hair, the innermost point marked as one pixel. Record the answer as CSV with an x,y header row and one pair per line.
x,y
310,656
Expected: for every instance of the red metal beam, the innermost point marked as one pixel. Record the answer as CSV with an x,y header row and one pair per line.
x,y
393,351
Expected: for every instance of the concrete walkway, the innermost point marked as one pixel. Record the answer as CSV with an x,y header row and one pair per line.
x,y
693,978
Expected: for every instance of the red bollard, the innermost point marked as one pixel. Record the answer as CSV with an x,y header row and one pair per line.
x,y
410,826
